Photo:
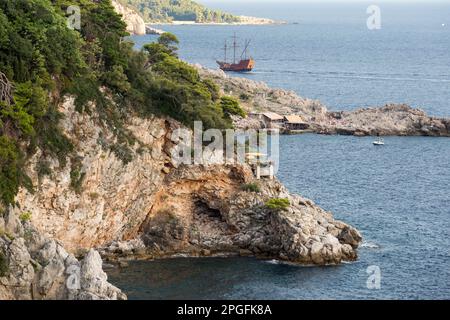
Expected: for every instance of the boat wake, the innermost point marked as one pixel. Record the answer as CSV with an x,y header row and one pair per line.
x,y
369,245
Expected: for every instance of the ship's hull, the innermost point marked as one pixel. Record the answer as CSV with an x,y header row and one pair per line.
x,y
242,66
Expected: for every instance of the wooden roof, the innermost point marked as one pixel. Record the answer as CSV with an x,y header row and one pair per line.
x,y
294,119
272,116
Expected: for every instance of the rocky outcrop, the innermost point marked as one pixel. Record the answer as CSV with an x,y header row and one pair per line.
x,y
204,211
33,266
187,209
135,24
257,96
393,119
133,200
113,197
150,30
246,20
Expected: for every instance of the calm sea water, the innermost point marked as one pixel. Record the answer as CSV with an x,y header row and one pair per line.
x,y
331,55
397,195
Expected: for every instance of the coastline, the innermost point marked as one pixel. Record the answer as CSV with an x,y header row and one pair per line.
x,y
115,199
259,99
246,21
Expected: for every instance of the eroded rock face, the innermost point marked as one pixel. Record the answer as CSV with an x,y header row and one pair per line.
x,y
204,209
135,24
113,198
36,267
189,209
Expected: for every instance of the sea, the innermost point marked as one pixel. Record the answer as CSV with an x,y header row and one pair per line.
x,y
397,195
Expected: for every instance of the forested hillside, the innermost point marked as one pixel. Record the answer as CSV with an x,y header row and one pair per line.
x,y
42,60
180,10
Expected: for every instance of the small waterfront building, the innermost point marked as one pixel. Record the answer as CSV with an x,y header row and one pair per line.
x,y
272,120
295,122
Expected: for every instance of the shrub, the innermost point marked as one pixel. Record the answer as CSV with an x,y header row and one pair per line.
x,y
94,195
4,265
76,175
277,204
244,96
251,187
9,170
43,168
25,216
230,106
123,152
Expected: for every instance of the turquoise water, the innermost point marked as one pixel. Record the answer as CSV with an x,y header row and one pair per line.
x,y
397,195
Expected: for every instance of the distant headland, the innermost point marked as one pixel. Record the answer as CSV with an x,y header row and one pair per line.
x,y
139,13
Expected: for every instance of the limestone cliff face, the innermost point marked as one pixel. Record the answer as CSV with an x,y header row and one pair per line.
x,y
186,209
114,198
146,206
33,266
135,24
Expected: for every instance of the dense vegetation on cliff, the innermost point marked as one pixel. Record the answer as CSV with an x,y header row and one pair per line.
x,y
179,10
42,59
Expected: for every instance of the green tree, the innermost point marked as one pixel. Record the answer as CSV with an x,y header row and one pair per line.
x,y
230,106
169,40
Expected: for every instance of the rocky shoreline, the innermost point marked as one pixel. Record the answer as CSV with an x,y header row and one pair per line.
x,y
204,211
392,119
33,266
244,20
149,208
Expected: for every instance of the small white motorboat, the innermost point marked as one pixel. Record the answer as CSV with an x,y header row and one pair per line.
x,y
379,142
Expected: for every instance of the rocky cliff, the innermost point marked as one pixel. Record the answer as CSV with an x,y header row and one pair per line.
x,y
33,266
135,24
149,207
209,210
117,201
113,198
393,119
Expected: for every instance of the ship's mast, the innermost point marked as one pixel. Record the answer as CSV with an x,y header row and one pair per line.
x,y
225,49
234,48
244,53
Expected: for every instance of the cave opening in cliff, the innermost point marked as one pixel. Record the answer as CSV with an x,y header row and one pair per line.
x,y
203,209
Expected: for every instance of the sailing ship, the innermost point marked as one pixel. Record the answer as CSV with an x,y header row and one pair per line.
x,y
245,63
